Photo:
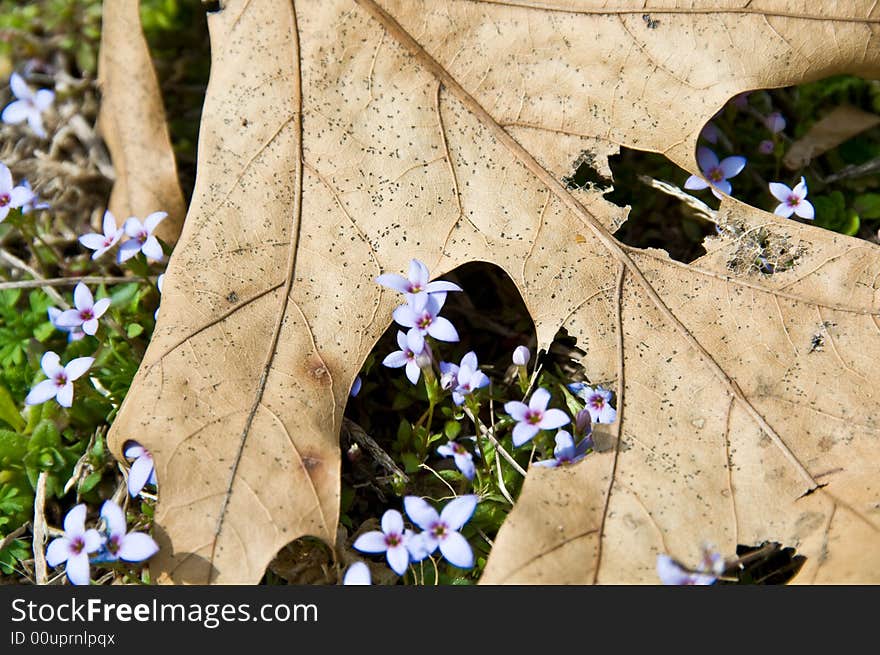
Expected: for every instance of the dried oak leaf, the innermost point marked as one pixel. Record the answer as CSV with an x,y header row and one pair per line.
x,y
132,122
340,138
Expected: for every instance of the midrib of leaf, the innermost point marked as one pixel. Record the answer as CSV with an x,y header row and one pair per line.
x,y
408,42
296,124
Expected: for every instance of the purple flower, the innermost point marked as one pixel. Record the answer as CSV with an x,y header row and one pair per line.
x,y
521,356
442,530
416,545
357,574
766,147
101,243
597,402
73,333
87,311
142,470
425,318
29,105
412,347
32,201
775,122
11,196
792,201
141,238
390,541
416,287
534,417
60,382
464,460
463,379
671,572
127,546
74,547
566,452
715,173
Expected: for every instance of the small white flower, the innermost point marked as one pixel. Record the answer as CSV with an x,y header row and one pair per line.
x,y
60,383
87,311
101,243
141,238
74,547
11,196
792,201
29,105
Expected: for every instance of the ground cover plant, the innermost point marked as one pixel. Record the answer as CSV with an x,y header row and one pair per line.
x,y
446,308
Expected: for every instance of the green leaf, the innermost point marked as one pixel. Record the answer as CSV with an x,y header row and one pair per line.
x,y
451,429
867,205
91,480
9,411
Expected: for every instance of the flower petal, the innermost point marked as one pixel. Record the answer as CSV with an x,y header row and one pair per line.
x,y
420,512
418,273
442,330
457,551
413,372
564,445
43,99
134,451
441,286
805,210
152,221
138,474
723,186
115,518
732,166
137,546
128,250
539,400
153,249
69,318
77,367
415,342
65,395
35,121
92,241
405,316
554,418
20,88
695,183
465,464
395,360
45,390
51,364
783,209
357,574
371,542
15,113
523,432
459,511
21,196
93,540
82,297
75,521
800,189
58,551
132,227
77,569
100,307
392,522
706,158
393,281
516,410
607,414
779,191
470,361
398,558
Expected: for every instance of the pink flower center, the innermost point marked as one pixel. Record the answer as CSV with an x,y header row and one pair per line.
x,y
597,402
113,544
393,539
439,530
425,321
793,201
142,236
61,378
415,287
87,314
4,199
77,544
458,449
716,175
534,417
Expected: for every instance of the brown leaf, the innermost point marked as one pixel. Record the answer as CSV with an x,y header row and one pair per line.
x,y
132,122
342,138
841,124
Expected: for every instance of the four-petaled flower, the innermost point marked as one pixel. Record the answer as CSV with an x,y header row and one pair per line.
x,y
357,574
425,318
60,382
391,540
566,452
792,201
535,416
87,311
120,544
597,402
101,243
412,344
11,196
29,105
74,547
141,238
73,333
715,173
416,287
464,460
442,530
142,470
463,379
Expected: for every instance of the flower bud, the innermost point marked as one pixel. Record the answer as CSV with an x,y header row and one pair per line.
x,y
583,424
765,147
775,122
521,356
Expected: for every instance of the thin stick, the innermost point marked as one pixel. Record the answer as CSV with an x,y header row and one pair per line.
x,y
12,536
487,432
40,530
66,282
501,485
700,208
15,262
357,434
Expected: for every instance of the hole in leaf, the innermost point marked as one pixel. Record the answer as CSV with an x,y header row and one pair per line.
x,y
769,563
306,560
